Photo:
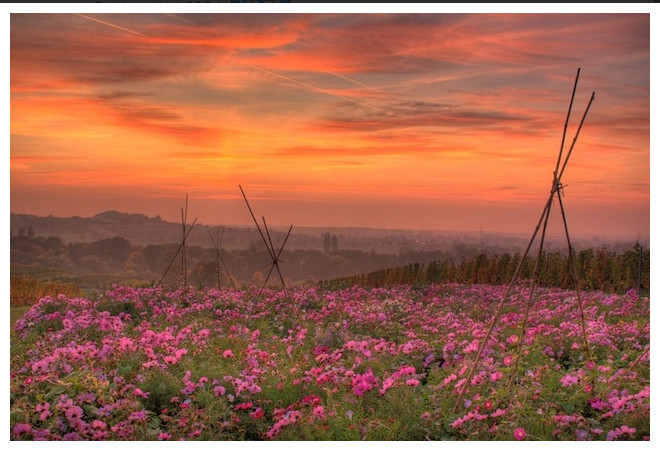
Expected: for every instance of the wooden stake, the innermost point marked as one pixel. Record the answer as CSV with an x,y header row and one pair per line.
x,y
176,254
184,270
269,246
218,257
556,189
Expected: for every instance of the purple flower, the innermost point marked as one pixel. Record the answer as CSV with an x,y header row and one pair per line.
x,y
22,429
73,413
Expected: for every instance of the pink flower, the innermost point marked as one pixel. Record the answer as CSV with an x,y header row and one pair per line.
x,y
519,434
495,375
319,412
22,428
73,413
629,430
407,370
164,436
568,380
498,412
138,392
43,406
257,414
228,353
412,382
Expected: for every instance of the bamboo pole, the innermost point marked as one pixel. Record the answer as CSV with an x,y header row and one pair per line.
x,y
184,220
556,187
571,260
269,246
218,257
496,316
176,254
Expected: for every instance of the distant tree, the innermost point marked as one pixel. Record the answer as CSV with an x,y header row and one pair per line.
x,y
335,243
30,232
94,264
138,264
115,250
327,243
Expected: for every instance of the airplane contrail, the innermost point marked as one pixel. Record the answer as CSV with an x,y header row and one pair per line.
x,y
319,90
178,17
356,82
110,25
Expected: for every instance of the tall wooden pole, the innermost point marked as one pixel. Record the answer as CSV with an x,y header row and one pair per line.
x,y
556,189
184,269
269,246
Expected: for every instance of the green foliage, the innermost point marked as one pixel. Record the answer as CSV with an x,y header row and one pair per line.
x,y
161,386
596,270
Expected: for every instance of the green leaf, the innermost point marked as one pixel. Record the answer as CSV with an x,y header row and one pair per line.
x,y
57,390
155,423
153,432
90,410
125,370
568,407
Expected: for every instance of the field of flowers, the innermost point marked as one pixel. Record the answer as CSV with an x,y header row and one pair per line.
x,y
378,364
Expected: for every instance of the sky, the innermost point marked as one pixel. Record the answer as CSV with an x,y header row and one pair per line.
x,y
425,120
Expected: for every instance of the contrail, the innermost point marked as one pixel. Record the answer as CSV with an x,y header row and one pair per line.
x,y
110,25
319,90
178,17
358,83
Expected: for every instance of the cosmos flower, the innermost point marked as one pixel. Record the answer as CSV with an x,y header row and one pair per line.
x,y
519,434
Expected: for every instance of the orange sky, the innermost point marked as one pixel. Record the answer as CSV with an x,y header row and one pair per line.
x,y
429,120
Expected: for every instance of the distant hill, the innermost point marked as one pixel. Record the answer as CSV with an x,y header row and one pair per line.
x,y
140,229
137,228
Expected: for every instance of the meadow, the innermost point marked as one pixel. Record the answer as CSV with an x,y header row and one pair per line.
x,y
348,364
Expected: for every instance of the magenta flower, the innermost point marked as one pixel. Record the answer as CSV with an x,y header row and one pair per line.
x,y
139,393
163,436
228,353
568,380
21,429
519,434
257,414
74,413
43,406
319,412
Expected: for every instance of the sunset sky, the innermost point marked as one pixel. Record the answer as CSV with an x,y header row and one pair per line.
x,y
419,121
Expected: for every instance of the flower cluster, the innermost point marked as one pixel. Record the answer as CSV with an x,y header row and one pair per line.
x,y
218,364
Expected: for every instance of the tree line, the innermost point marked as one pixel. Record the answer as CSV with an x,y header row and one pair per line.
x,y
119,260
597,269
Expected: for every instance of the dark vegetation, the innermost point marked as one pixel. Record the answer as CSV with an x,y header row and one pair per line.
x,y
600,269
87,257
45,265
